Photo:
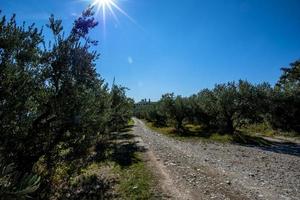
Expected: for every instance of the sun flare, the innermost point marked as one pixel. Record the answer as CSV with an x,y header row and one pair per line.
x,y
102,2
105,7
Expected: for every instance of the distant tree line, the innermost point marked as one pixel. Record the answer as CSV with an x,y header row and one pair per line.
x,y
51,98
228,107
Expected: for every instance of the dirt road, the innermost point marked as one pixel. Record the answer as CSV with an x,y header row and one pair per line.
x,y
199,170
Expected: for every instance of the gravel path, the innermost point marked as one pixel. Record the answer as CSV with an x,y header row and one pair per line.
x,y
201,170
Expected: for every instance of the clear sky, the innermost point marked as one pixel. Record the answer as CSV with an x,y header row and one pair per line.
x,y
183,46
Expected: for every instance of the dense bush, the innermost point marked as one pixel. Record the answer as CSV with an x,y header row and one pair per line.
x,y
175,109
121,108
228,107
51,98
285,109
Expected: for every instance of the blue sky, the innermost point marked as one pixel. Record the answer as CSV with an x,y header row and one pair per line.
x,y
183,46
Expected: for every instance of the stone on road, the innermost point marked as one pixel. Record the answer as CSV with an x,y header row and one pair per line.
x,y
198,170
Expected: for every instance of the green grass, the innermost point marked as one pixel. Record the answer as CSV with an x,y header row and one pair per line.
x,y
261,129
265,130
123,168
128,127
133,182
221,138
131,122
246,135
136,181
193,132
164,130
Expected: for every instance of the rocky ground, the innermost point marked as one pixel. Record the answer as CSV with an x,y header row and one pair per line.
x,y
202,170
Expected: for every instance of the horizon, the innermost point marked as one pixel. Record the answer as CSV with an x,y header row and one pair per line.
x,y
168,46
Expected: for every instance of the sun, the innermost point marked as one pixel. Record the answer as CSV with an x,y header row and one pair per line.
x,y
105,7
102,2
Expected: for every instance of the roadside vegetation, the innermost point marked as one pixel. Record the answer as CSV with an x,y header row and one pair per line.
x,y
136,181
60,122
235,111
191,133
65,134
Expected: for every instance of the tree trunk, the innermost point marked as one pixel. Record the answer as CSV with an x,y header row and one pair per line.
x,y
229,126
179,125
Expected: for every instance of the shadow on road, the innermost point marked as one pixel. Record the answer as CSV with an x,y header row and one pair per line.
x,y
250,141
121,148
280,147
